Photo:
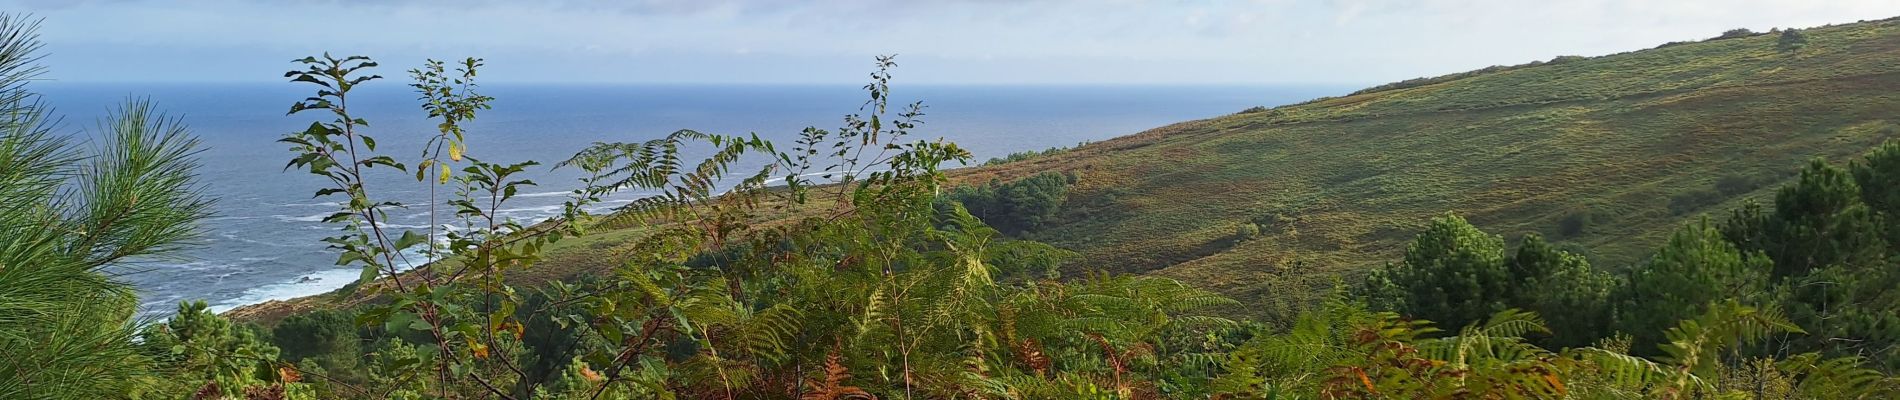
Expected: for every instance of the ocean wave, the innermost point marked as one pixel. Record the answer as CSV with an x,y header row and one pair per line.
x,y
199,266
530,214
306,218
234,236
310,284
546,194
838,174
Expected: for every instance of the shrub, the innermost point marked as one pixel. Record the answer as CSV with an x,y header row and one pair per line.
x,y
1574,223
1018,206
1272,223
1735,33
1024,155
329,338
1791,40
1736,185
1247,231
1687,202
1565,59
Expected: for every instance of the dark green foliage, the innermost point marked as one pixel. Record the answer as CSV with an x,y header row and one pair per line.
x,y
1246,231
1695,269
1831,249
1735,34
550,345
1566,59
1747,227
1878,176
1453,272
1695,199
199,349
1575,222
1272,223
330,339
1791,40
1025,155
1018,206
1563,288
1735,185
1848,312
1820,221
1416,82
73,212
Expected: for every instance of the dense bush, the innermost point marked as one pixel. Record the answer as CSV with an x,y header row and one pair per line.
x,y
1735,185
1573,223
1457,274
1019,206
1695,199
1791,40
1246,231
1735,33
328,339
1697,268
1820,255
1025,155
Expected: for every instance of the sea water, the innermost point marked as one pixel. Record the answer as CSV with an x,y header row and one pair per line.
x,y
263,241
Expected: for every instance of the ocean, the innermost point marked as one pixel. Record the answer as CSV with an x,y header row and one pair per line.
x,y
262,244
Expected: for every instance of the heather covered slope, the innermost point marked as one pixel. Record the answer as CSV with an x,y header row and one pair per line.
x,y
1606,154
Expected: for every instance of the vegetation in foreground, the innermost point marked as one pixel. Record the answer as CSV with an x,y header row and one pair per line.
x,y
883,287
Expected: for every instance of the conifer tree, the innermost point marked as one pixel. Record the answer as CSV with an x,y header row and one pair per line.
x,y
1696,268
1452,272
1563,288
69,218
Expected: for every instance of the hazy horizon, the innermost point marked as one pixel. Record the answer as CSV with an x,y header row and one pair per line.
x,y
968,42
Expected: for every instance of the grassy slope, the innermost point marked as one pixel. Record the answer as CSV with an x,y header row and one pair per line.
x,y
1514,151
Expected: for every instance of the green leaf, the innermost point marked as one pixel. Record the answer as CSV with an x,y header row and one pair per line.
x,y
400,320
409,239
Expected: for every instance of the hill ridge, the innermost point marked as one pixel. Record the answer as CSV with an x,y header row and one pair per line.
x,y
1632,141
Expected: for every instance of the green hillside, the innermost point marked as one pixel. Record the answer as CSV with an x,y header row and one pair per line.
x,y
1625,147
1602,146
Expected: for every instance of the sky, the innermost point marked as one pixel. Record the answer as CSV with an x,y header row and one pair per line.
x,y
937,42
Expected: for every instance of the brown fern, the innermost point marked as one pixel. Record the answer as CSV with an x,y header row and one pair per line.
x,y
832,387
209,391
1029,351
272,392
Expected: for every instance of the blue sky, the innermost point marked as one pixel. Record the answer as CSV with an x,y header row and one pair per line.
x,y
941,42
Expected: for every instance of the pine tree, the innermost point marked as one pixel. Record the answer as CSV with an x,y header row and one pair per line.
x,y
1820,221
1878,175
1562,287
1452,272
67,218
1695,269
